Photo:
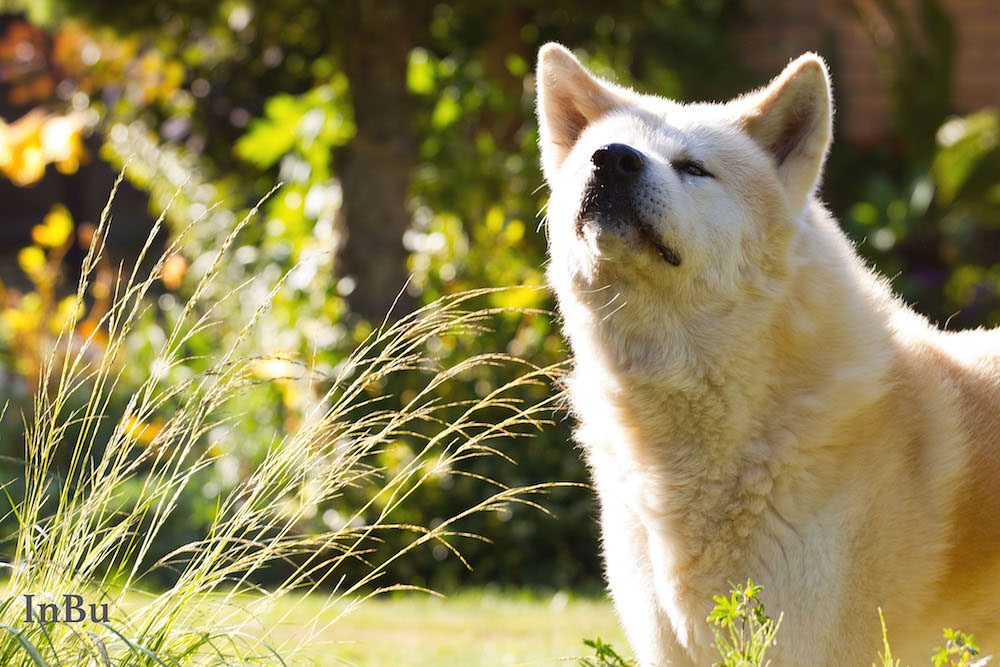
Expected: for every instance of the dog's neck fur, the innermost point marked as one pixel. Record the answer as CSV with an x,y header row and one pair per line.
x,y
682,422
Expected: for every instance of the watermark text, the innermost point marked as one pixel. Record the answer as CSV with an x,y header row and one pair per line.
x,y
71,611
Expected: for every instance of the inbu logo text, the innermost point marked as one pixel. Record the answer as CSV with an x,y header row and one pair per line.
x,y
71,611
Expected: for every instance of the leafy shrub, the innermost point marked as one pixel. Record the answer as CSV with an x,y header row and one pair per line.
x,y
604,655
743,632
959,650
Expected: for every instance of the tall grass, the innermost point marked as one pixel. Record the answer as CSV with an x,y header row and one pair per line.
x,y
88,524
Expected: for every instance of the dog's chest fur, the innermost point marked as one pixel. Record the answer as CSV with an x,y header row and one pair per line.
x,y
678,462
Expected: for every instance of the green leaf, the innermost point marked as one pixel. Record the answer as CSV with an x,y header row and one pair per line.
x,y
265,143
420,73
446,112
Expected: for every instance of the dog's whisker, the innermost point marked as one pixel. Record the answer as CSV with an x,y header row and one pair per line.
x,y
595,291
614,312
541,223
610,301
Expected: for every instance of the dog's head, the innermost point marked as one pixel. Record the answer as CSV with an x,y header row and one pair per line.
x,y
676,208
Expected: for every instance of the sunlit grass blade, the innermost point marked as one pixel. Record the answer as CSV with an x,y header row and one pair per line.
x,y
95,501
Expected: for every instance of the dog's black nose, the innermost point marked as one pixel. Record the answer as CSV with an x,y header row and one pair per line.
x,y
617,162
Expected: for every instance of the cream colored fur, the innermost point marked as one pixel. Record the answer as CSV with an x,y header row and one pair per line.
x,y
768,408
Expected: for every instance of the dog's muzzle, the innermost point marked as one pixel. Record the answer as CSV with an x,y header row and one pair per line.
x,y
608,197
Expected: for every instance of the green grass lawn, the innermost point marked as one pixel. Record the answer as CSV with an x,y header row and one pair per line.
x,y
469,628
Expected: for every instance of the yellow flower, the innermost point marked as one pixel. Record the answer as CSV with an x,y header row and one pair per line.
x,y
21,159
90,328
25,315
173,271
55,229
29,166
6,147
19,321
31,260
67,312
141,431
31,142
60,139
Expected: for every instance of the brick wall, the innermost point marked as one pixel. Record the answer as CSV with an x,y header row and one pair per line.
x,y
777,30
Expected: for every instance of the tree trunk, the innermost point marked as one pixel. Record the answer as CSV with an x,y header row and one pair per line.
x,y
375,167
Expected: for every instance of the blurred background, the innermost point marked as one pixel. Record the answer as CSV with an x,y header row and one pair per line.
x,y
404,134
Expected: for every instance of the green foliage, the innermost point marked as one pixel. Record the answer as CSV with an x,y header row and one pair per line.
x,y
966,166
926,211
959,650
604,656
309,126
936,231
743,632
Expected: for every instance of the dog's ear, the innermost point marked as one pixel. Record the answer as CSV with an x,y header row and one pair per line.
x,y
569,99
792,118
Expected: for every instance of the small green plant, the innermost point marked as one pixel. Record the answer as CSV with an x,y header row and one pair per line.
x,y
959,650
604,656
885,658
743,632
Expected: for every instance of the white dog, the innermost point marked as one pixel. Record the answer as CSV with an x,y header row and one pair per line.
x,y
753,401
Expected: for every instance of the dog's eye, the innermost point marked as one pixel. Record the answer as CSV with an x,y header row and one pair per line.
x,y
691,168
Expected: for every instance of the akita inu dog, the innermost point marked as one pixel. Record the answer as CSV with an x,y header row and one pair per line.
x,y
753,401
